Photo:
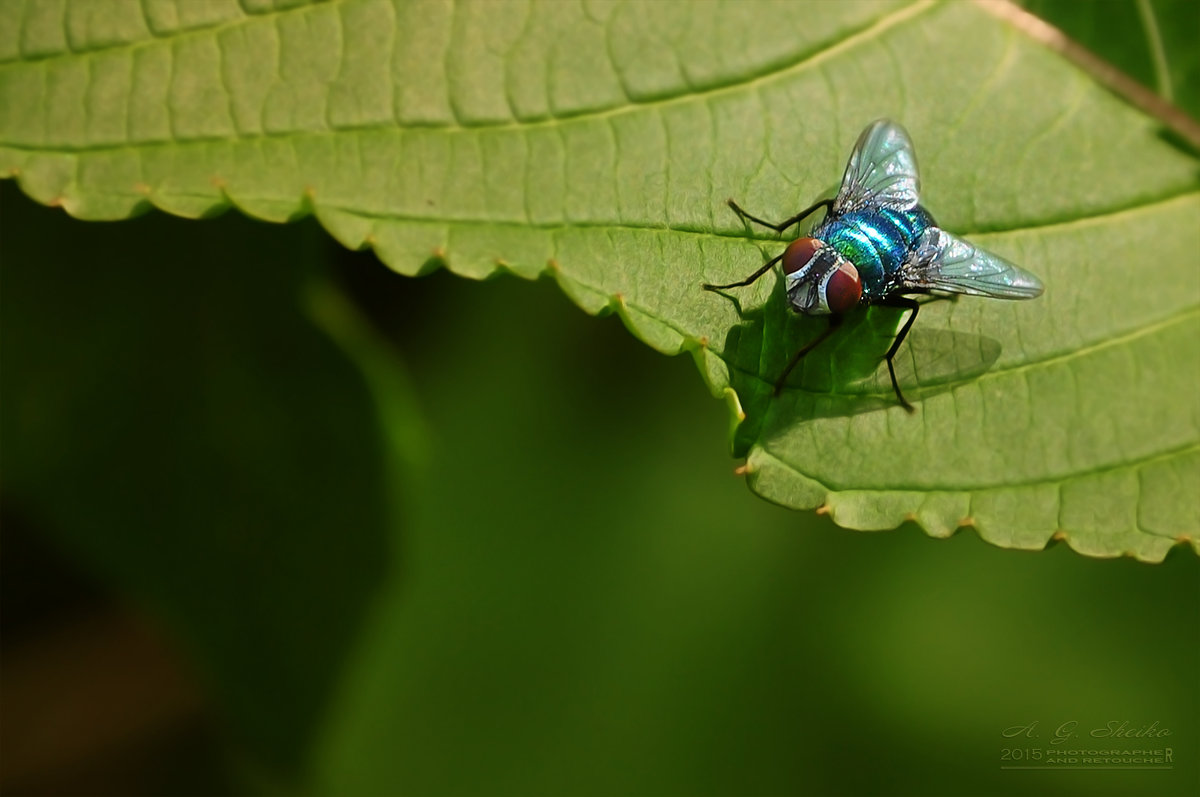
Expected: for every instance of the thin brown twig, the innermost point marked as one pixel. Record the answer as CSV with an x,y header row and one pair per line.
x,y
1117,81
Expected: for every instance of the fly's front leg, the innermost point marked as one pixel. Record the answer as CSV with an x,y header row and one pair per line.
x,y
748,280
780,227
835,321
783,225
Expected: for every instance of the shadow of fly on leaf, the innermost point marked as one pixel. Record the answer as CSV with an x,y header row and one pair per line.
x,y
846,374
876,247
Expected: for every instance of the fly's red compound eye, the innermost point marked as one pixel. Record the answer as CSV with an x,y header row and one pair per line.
x,y
843,289
799,254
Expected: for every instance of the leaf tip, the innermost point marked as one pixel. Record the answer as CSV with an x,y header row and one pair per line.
x,y
743,470
1059,536
967,522
553,265
142,188
823,509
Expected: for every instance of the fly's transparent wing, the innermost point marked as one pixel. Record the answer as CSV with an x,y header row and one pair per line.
x,y
942,262
882,171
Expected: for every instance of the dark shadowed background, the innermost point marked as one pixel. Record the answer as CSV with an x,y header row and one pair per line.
x,y
467,539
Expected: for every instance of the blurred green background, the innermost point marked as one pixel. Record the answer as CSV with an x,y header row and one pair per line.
x,y
442,537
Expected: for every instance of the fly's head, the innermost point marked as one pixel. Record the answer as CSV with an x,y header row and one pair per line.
x,y
820,281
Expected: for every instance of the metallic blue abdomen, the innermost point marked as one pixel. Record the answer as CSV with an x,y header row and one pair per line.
x,y
876,241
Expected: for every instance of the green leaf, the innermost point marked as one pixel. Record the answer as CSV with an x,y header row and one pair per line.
x,y
600,142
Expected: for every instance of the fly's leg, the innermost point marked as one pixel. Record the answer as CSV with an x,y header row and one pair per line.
x,y
903,303
748,280
835,321
783,225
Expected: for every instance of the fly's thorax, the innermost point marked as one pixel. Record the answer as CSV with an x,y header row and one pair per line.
x,y
878,242
820,281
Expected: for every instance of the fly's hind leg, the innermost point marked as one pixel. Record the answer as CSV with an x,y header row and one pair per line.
x,y
903,303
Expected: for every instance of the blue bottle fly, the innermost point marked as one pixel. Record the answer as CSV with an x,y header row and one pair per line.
x,y
876,243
